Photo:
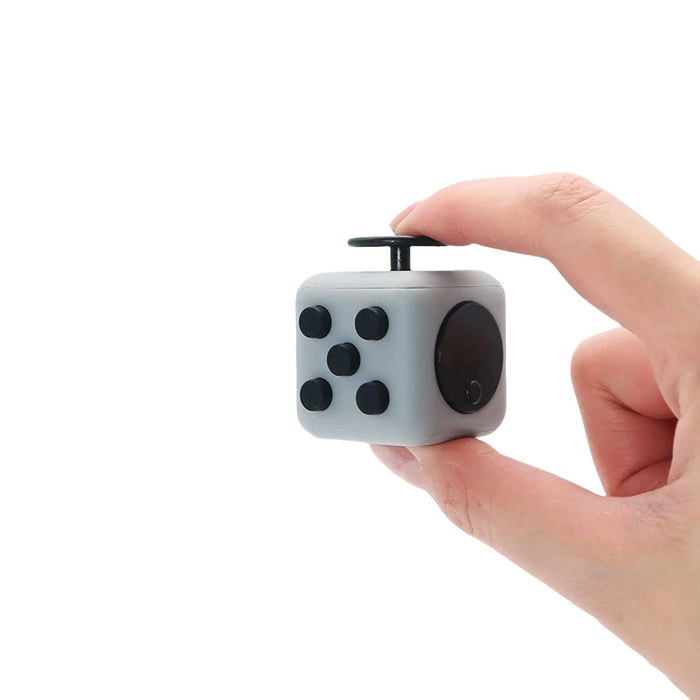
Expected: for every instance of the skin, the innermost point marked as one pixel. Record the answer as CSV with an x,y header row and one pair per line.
x,y
630,558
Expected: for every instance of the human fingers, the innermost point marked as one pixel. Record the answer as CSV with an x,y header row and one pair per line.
x,y
629,426
607,252
561,533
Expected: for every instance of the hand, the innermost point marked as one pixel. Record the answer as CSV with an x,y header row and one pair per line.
x,y
630,558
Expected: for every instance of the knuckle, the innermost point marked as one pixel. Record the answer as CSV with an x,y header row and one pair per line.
x,y
585,361
668,514
570,197
592,357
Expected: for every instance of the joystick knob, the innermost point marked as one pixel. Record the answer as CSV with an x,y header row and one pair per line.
x,y
399,247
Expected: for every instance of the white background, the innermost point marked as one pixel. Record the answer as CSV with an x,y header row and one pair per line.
x,y
169,174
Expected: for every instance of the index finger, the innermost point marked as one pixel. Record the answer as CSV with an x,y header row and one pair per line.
x,y
612,256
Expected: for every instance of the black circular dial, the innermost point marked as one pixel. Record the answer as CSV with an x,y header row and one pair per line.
x,y
468,357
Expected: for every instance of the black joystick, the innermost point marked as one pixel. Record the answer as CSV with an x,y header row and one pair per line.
x,y
400,247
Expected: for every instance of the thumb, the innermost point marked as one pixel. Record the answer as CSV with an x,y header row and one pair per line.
x,y
564,535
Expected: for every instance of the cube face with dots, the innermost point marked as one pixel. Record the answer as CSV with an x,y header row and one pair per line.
x,y
400,358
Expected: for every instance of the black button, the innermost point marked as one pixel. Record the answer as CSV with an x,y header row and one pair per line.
x,y
316,395
315,322
372,398
343,359
372,323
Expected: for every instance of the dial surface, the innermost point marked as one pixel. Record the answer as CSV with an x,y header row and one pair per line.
x,y
468,357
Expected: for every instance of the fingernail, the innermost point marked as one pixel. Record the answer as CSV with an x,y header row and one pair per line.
x,y
401,216
402,463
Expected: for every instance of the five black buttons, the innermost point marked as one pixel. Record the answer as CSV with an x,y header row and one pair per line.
x,y
343,359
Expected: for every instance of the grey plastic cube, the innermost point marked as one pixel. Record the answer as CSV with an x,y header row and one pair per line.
x,y
436,374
